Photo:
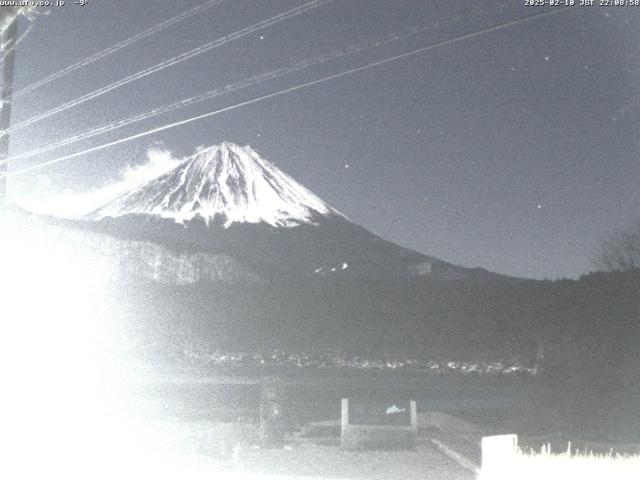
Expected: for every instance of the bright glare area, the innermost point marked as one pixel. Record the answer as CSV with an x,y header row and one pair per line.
x,y
70,413
545,465
65,411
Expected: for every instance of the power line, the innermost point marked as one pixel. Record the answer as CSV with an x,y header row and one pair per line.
x,y
255,80
288,90
116,47
170,62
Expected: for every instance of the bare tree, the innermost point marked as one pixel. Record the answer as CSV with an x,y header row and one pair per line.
x,y
621,251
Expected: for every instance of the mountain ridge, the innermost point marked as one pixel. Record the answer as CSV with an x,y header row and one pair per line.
x,y
224,184
227,201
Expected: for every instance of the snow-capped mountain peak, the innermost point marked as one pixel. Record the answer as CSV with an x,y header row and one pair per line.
x,y
227,183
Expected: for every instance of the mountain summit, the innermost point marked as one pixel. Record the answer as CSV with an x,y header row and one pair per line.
x,y
229,211
223,184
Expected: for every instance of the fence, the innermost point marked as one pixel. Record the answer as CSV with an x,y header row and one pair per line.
x,y
378,437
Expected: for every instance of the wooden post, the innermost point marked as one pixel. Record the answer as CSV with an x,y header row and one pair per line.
x,y
344,423
414,415
345,412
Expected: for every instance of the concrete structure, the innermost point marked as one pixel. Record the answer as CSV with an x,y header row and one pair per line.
x,y
8,35
8,38
497,451
378,437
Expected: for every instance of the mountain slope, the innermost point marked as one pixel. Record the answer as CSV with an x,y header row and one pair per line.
x,y
227,199
226,184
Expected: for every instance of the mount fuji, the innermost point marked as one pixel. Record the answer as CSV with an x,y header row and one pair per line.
x,y
227,200
224,184
226,253
228,249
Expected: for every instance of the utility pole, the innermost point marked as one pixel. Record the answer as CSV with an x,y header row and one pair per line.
x,y
9,37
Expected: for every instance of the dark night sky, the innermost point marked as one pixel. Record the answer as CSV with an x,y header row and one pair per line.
x,y
514,150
